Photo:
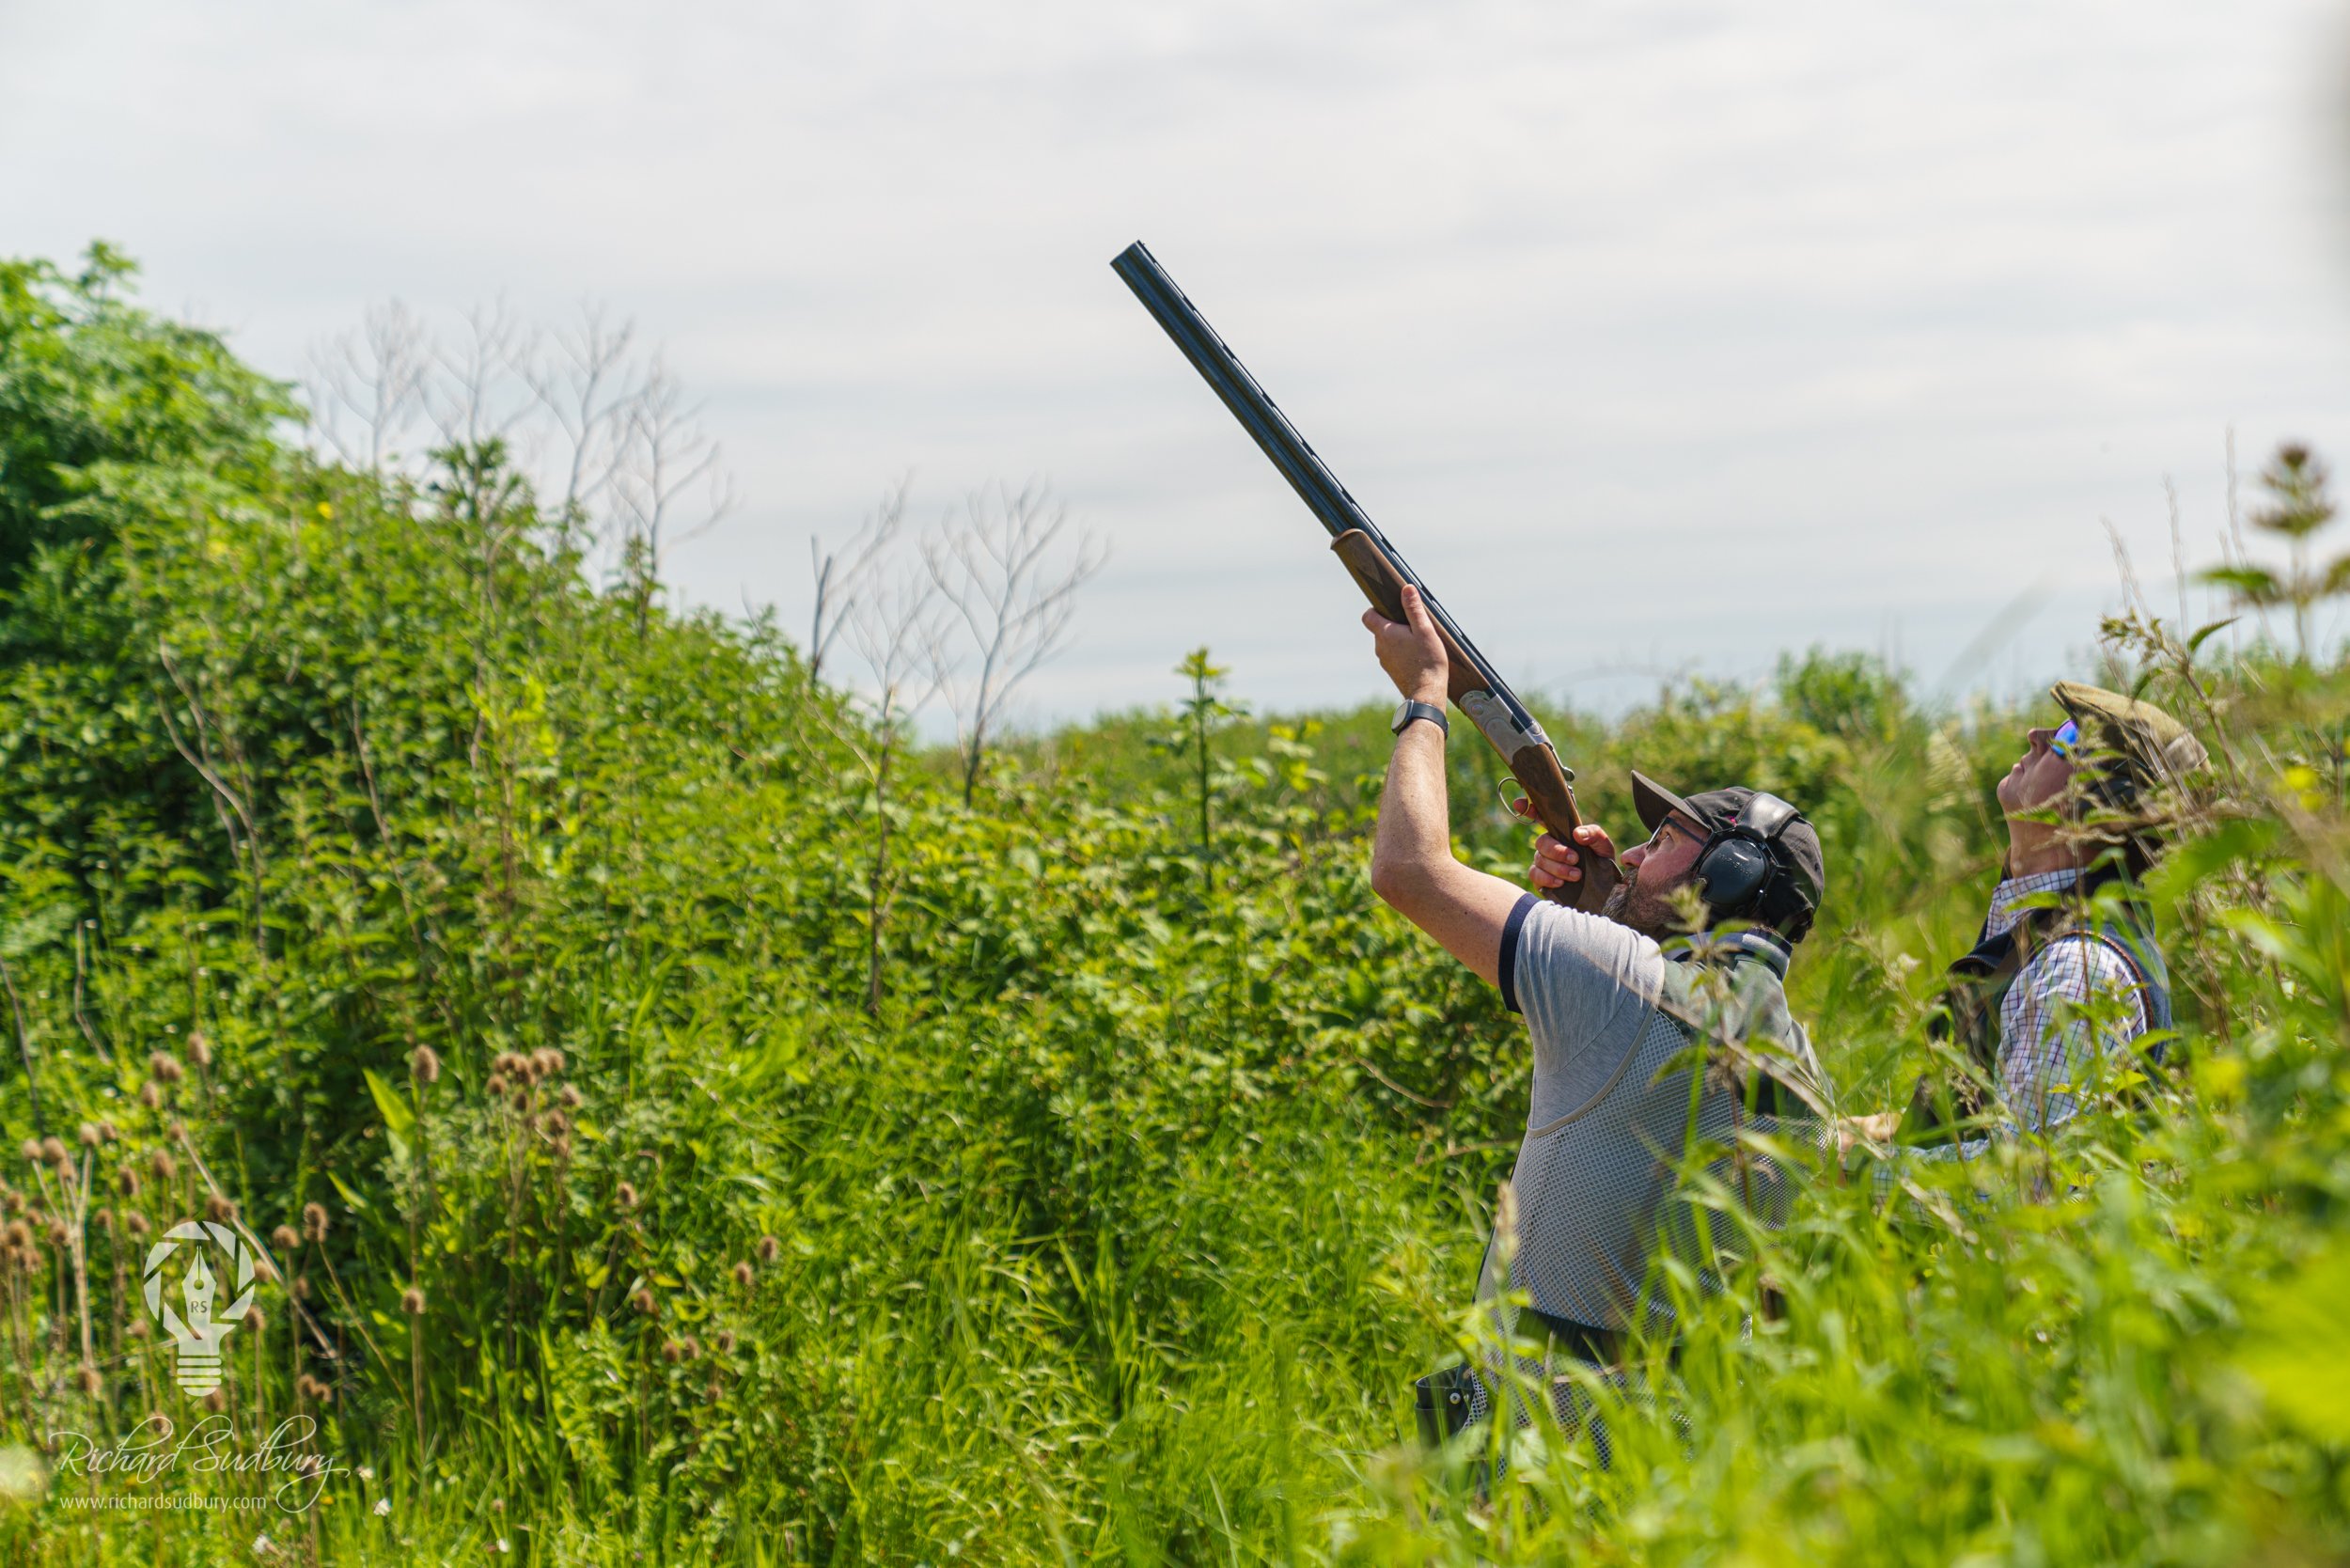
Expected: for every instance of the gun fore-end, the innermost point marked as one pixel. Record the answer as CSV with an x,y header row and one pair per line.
x,y
1533,763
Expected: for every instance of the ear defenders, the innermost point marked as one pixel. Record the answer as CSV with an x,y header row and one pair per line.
x,y
1740,862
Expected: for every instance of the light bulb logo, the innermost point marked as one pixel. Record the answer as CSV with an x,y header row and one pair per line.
x,y
196,1336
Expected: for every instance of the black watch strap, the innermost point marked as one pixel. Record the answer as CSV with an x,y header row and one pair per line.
x,y
1412,709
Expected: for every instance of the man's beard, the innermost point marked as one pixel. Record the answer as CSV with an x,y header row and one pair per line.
x,y
1651,918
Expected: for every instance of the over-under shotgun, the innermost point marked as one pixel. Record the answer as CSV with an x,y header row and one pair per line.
x,y
1377,568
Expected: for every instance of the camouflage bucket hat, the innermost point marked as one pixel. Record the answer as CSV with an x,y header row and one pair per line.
x,y
2153,748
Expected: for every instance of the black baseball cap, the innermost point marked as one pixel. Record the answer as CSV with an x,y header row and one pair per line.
x,y
1716,811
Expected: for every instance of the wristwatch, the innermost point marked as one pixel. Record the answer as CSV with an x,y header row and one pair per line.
x,y
1411,708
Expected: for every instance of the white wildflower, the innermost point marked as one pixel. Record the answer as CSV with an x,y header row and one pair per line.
x,y
382,1507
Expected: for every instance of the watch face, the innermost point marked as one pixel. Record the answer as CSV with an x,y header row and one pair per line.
x,y
1402,712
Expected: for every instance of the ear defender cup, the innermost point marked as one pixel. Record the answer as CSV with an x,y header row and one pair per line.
x,y
1732,871
1738,863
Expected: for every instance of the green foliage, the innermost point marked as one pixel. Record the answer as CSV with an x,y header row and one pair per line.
x,y
478,936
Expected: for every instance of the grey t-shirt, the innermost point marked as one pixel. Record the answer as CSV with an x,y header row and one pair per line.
x,y
1609,1014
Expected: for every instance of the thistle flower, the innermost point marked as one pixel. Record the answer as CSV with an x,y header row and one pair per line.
x,y
743,1273
425,1064
87,1135
314,1222
769,1248
411,1302
284,1238
162,1164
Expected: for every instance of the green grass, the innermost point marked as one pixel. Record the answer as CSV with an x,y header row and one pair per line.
x,y
1121,1225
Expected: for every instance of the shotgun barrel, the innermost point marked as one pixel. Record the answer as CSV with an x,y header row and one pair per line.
x,y
1378,568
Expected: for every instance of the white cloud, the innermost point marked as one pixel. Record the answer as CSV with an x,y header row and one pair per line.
x,y
1655,332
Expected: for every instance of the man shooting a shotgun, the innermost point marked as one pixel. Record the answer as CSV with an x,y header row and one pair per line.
x,y
1610,1011
1613,1019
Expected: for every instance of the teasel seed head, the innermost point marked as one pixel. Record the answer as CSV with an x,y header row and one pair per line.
x,y
162,1165
52,1151
644,1303
60,1236
265,1270
302,1287
87,1135
425,1062
573,1099
86,1378
199,1048
743,1273
626,1196
111,1133
495,1088
218,1401
20,1235
314,1222
411,1302
30,1149
219,1209
521,1102
149,1096
769,1248
672,1351
285,1238
135,1223
137,1328
166,1067
256,1320
726,1342
692,1347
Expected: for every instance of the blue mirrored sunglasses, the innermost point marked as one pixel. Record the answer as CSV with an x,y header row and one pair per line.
x,y
2066,740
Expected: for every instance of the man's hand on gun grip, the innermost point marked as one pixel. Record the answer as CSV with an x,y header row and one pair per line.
x,y
1411,652
1557,864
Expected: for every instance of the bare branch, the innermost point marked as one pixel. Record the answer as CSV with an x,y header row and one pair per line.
x,y
994,568
365,389
840,584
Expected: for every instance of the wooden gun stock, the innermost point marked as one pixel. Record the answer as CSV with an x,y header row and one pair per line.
x,y
1533,763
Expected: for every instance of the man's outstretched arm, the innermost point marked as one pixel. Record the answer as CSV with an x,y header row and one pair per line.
x,y
1412,865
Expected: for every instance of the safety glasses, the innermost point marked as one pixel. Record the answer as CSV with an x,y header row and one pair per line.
x,y
2066,742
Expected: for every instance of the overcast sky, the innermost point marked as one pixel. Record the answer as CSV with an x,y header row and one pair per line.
x,y
1662,336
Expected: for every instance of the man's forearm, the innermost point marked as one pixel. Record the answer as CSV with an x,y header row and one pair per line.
x,y
1415,836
